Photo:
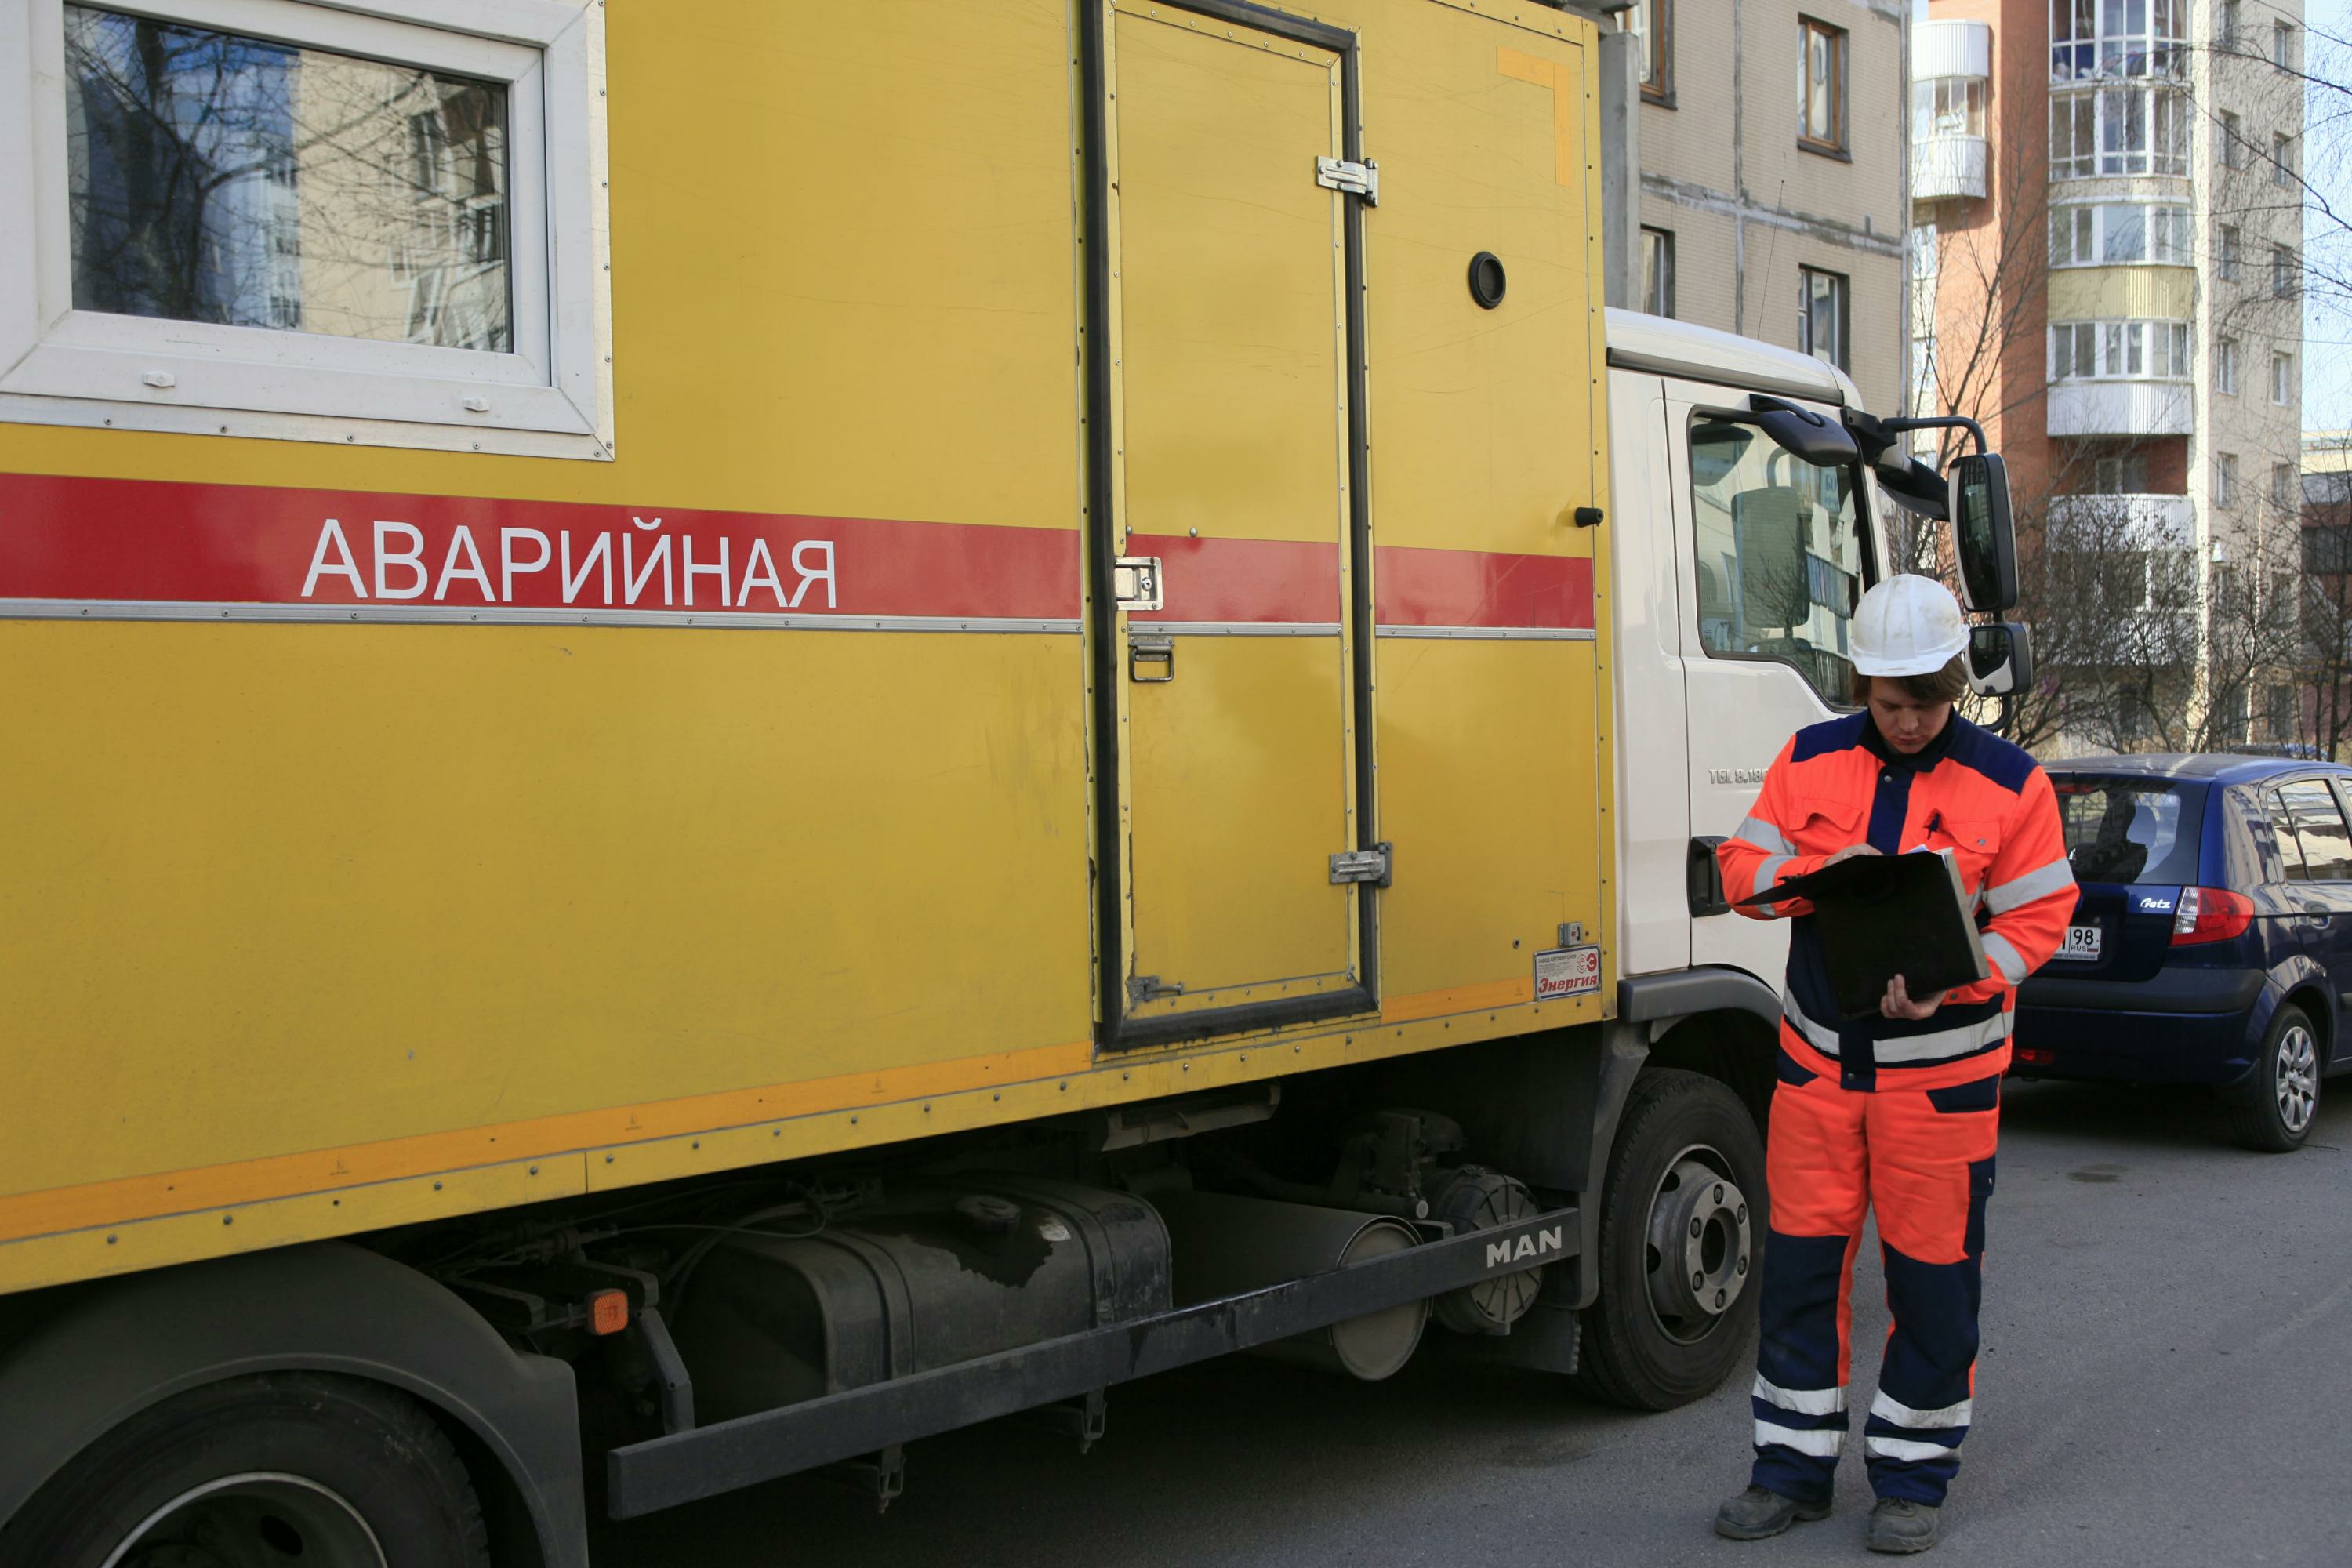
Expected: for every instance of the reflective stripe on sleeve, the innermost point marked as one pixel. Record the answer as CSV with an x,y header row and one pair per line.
x,y
1888,1408
1820,1445
1823,1040
1802,1401
1940,1043
1903,1449
1764,836
2035,884
2004,957
1769,872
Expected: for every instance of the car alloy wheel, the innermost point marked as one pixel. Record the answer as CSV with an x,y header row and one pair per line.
x,y
2298,1076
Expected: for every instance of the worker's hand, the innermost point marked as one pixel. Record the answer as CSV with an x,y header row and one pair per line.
x,y
1848,853
1897,1002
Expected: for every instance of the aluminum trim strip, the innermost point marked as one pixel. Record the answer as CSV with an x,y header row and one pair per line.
x,y
1542,633
508,615
1239,628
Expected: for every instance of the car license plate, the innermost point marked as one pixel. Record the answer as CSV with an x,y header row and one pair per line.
x,y
2082,943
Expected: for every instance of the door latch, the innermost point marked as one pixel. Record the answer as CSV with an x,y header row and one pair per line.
x,y
1142,988
1375,865
1356,179
1151,659
1135,581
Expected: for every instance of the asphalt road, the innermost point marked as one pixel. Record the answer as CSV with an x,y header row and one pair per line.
x,y
2166,1378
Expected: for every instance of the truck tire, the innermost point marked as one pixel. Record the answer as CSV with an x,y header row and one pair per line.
x,y
1681,1250
2285,1086
329,1472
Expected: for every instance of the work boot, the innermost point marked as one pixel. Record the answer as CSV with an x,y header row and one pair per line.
x,y
1760,1512
1898,1524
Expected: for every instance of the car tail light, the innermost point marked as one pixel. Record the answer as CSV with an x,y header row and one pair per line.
x,y
2210,914
2036,1056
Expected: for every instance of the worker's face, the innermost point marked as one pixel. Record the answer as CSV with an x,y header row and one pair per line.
x,y
1908,723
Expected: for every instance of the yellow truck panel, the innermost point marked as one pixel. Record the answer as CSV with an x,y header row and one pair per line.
x,y
348,905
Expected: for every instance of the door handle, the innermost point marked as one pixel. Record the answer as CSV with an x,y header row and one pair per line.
x,y
1151,659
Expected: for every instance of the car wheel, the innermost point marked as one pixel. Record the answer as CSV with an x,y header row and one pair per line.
x,y
329,1472
2286,1088
1682,1244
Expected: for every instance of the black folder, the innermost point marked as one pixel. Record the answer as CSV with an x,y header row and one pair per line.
x,y
1884,915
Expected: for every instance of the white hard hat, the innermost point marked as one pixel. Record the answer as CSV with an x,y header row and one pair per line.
x,y
1907,626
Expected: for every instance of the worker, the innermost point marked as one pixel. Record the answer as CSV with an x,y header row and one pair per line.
x,y
1897,1112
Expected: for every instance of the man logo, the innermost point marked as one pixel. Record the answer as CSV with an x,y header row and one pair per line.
x,y
1526,1249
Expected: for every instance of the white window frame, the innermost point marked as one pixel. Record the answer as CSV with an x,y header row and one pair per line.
x,y
2225,478
552,396
2281,378
2225,367
2080,232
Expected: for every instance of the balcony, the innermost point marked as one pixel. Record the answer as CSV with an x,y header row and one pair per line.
x,y
1950,48
2150,522
2123,408
1944,167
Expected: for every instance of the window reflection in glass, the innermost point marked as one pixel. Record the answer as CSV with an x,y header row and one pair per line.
x,y
1778,553
230,180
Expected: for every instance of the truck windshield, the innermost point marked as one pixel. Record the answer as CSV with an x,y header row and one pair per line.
x,y
1778,553
2130,829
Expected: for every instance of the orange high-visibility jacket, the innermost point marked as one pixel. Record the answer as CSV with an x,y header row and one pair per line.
x,y
1970,792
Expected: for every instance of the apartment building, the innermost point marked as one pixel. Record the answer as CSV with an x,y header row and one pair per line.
x,y
1773,196
2105,262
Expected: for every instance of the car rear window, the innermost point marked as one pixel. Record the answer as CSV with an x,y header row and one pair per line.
x,y
2130,829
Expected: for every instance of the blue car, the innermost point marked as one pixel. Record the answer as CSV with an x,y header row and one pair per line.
x,y
2213,942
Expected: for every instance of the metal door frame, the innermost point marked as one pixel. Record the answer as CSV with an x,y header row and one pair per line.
x,y
1114,1029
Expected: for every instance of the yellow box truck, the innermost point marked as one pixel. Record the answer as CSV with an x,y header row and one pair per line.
x,y
737,730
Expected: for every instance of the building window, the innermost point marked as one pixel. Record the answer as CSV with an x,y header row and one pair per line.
x,y
2282,159
2283,486
2283,273
2108,234
2230,34
1820,86
1823,309
2225,367
1651,24
1658,272
1926,389
2225,479
2233,140
2283,45
2124,474
325,220
2282,379
2119,350
1924,249
2232,253
1948,106
2095,38
2128,129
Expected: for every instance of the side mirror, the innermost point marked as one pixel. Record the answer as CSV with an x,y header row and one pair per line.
x,y
2000,660
1984,539
1805,434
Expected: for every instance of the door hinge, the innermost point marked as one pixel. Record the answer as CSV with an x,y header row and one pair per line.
x,y
1142,988
1135,581
1356,179
1375,865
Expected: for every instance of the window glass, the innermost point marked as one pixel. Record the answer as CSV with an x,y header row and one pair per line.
x,y
2225,479
1823,306
225,179
1821,65
2319,831
2129,830
2230,252
2282,378
2225,367
1778,553
1658,272
2283,833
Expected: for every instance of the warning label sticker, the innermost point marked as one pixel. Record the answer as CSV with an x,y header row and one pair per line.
x,y
1566,972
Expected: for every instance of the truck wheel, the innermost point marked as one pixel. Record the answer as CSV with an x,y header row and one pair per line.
x,y
1682,1234
278,1468
2286,1088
